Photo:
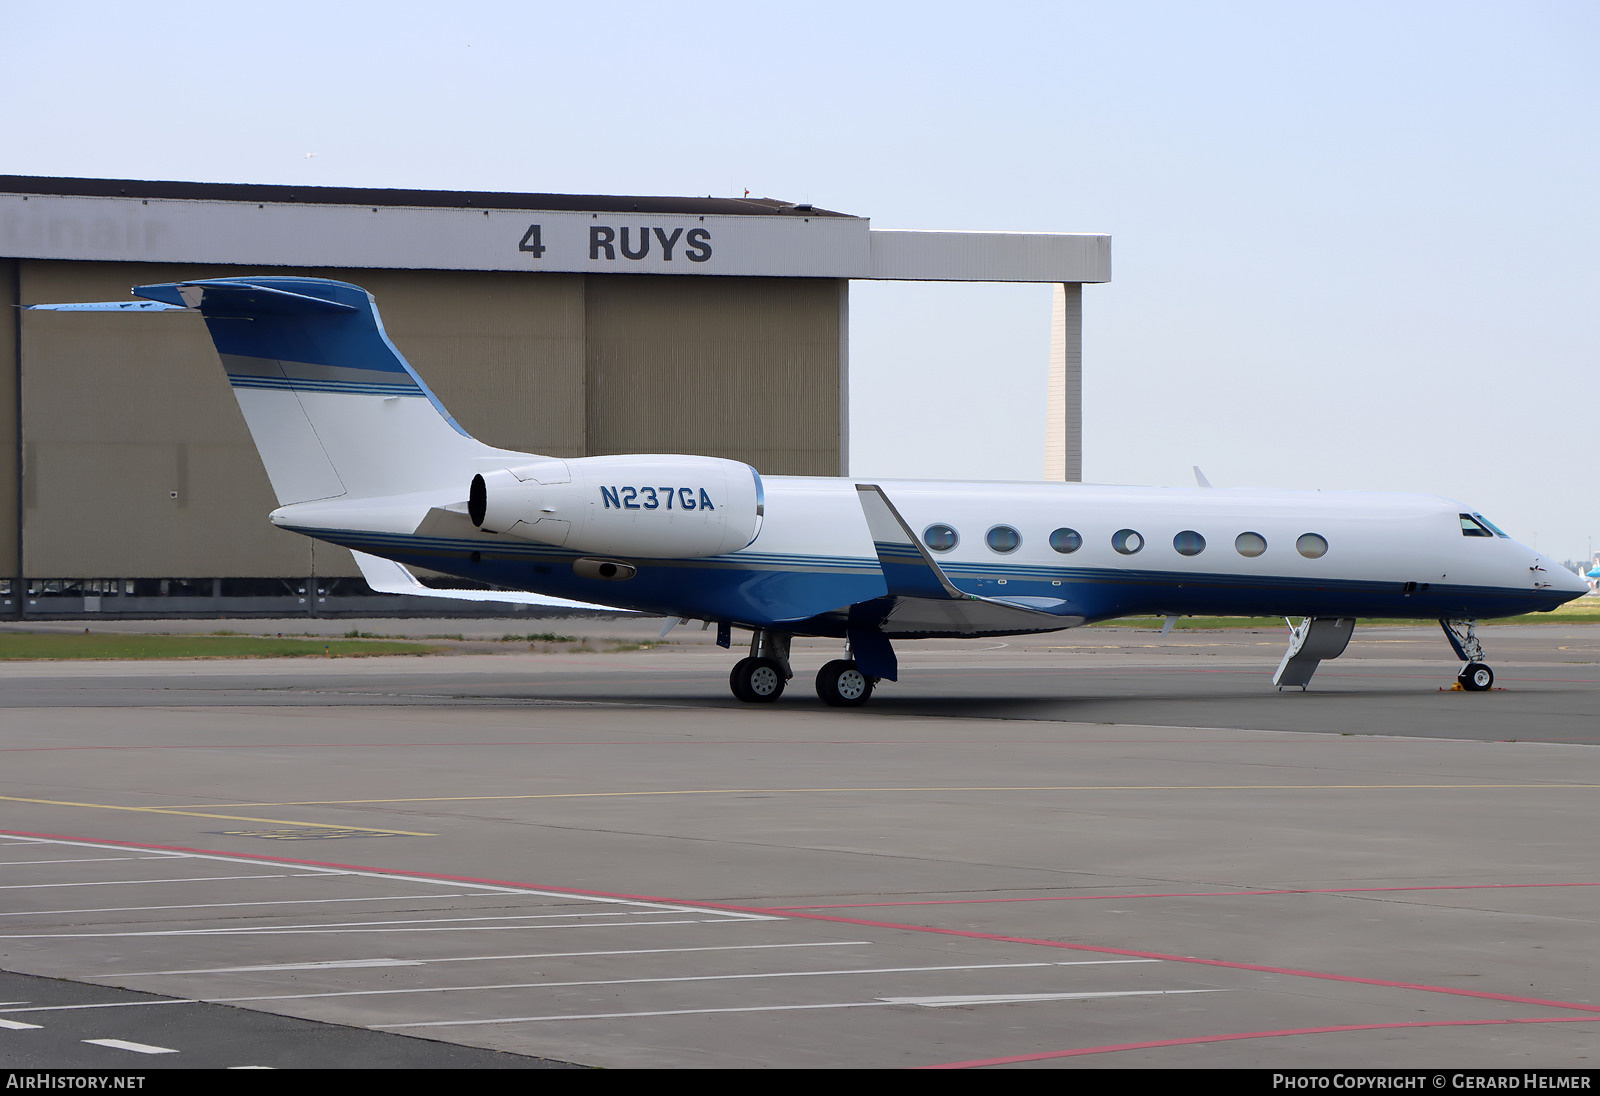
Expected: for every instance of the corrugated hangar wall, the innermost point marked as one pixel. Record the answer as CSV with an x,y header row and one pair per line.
x,y
10,325
136,462
747,368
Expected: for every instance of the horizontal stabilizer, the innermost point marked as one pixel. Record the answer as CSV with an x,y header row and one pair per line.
x,y
235,297
107,306
385,576
241,297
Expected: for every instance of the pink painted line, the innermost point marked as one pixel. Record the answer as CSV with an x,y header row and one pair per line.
x,y
1156,1043
1226,964
786,742
895,926
457,745
1178,894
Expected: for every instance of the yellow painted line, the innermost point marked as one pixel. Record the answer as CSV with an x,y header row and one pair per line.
x,y
223,817
802,791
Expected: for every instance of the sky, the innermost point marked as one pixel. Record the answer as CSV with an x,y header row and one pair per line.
x,y
1353,244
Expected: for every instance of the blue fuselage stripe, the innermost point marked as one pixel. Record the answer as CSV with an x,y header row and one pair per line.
x,y
807,594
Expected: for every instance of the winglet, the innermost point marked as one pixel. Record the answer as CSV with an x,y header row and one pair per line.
x,y
907,567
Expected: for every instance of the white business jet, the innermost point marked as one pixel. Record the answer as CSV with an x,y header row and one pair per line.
x,y
361,454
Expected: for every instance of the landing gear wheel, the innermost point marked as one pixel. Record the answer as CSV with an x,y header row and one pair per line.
x,y
841,685
757,680
1476,677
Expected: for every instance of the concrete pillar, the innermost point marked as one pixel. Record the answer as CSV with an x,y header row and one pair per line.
x,y
844,377
1063,432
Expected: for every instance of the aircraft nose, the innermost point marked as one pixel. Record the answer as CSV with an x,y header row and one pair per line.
x,y
1559,577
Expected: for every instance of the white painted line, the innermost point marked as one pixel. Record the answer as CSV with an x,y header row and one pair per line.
x,y
880,1003
123,882
459,920
137,1048
532,955
492,888
16,1025
628,1015
709,978
78,860
1018,998
427,921
331,964
108,1004
352,932
230,905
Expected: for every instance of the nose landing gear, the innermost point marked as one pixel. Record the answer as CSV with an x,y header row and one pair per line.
x,y
1475,676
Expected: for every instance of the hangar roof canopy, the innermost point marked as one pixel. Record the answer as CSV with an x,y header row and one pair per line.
x,y
250,224
279,193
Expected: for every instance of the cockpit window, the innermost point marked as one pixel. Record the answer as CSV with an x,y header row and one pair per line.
x,y
1499,532
1472,527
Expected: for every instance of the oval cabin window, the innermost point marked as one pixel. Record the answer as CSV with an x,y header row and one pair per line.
x,y
1127,541
941,538
1003,539
1312,546
1066,541
1250,544
1189,543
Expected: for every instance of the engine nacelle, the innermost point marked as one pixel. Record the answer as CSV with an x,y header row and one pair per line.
x,y
650,507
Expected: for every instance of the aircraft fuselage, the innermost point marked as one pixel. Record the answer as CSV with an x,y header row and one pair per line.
x,y
1094,552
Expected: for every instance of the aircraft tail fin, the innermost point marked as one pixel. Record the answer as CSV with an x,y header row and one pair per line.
x,y
334,408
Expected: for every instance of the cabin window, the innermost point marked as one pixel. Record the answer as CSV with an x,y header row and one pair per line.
x,y
1250,544
1066,541
1311,546
1472,527
1127,541
941,538
1003,538
1189,543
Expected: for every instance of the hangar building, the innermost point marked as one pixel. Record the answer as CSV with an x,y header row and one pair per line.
x,y
567,325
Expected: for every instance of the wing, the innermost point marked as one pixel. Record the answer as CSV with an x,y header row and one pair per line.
x,y
925,601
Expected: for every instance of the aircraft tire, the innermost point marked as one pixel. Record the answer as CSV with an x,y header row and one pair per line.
x,y
756,680
841,685
1476,677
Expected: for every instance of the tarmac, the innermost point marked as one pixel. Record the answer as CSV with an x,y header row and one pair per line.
x,y
1098,848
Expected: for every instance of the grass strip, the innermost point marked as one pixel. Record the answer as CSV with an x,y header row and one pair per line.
x,y
67,645
1581,611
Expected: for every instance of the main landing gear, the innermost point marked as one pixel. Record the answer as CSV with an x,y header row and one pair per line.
x,y
761,677
1475,676
841,685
